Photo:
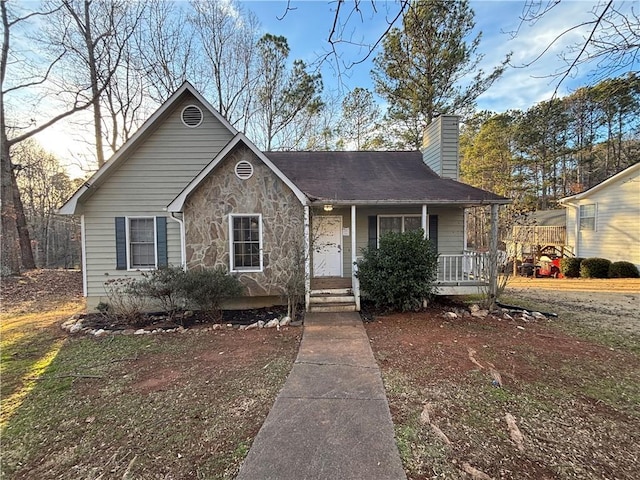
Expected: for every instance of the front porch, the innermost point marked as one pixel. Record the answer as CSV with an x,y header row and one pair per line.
x,y
464,274
336,235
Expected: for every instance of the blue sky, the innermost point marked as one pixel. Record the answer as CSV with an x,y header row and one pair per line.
x,y
308,23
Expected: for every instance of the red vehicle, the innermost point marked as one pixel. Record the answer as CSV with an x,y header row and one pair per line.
x,y
548,267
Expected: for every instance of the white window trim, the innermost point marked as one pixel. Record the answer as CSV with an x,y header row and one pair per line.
x,y
155,244
595,217
398,215
231,252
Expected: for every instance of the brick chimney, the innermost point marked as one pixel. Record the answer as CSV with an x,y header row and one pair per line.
x,y
440,146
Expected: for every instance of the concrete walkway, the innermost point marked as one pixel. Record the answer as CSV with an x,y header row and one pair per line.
x,y
331,419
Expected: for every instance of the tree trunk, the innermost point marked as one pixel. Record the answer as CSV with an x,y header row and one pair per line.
x,y
95,91
21,225
10,254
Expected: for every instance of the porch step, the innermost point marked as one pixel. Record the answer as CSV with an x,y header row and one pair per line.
x,y
332,291
332,300
332,307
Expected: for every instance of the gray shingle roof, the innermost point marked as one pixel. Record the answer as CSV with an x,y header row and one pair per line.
x,y
374,177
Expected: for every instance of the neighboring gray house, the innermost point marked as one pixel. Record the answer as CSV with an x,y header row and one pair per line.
x,y
604,221
188,189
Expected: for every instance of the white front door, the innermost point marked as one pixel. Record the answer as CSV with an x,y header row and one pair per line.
x,y
327,246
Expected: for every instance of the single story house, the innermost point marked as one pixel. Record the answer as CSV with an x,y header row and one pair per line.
x,y
189,189
604,221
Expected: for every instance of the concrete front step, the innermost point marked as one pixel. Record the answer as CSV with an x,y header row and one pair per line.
x,y
332,299
332,291
332,307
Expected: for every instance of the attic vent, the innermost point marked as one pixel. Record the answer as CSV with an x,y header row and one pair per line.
x,y
192,116
244,170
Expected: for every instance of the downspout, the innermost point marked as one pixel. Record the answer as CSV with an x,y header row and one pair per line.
x,y
183,242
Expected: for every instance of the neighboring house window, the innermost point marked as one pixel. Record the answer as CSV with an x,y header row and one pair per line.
x,y
141,243
246,243
588,217
398,223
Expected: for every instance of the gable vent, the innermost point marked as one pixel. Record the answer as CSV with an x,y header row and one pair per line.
x,y
244,170
192,116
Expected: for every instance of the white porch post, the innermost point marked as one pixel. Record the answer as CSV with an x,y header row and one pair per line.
x,y
355,284
425,225
493,255
307,259
425,233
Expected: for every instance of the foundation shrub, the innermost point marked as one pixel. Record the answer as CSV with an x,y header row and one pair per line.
x,y
570,267
623,270
401,273
595,268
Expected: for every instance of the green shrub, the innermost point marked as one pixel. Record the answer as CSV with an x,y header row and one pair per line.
x,y
595,268
207,288
400,274
570,267
623,270
162,285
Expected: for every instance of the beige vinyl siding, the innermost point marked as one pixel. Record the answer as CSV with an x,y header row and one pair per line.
x,y
144,184
450,229
617,231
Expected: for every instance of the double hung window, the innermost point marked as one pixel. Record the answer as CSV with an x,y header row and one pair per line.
x,y
142,245
588,217
398,223
246,243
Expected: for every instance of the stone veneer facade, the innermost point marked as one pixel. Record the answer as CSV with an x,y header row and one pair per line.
x,y
206,217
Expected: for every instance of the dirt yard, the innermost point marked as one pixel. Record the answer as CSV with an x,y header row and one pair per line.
x,y
570,385
610,303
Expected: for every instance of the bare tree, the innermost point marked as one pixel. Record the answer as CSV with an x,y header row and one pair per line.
x,y
165,44
611,38
95,33
228,39
22,80
44,186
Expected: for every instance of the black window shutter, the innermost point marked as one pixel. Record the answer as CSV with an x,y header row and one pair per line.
x,y
121,244
373,231
433,230
161,241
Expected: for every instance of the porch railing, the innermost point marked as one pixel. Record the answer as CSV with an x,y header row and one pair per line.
x,y
466,267
539,235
